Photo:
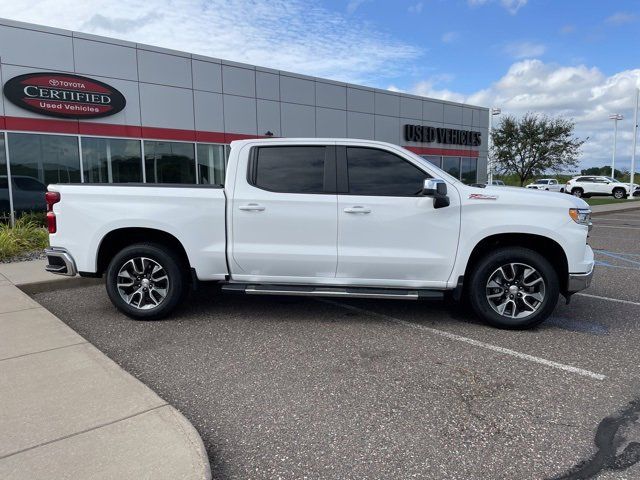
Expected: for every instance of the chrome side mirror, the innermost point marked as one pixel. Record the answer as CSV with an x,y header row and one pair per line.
x,y
436,188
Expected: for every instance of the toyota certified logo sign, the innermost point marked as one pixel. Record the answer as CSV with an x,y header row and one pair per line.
x,y
64,95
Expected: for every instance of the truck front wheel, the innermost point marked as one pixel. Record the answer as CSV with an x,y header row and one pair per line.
x,y
513,288
145,281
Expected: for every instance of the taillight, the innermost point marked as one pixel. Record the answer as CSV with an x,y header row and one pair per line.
x,y
51,198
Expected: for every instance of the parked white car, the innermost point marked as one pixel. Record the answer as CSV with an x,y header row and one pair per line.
x,y
550,184
593,185
325,217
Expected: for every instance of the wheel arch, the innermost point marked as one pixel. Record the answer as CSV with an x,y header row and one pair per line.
x,y
120,238
547,247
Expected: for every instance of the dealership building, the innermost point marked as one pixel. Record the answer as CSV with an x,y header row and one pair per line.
x,y
82,108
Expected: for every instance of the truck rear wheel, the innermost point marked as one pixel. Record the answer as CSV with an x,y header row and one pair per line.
x,y
145,281
513,288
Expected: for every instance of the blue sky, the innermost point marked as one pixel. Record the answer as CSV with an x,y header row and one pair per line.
x,y
579,59
466,45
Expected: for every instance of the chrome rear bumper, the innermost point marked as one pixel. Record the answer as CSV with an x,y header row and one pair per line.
x,y
60,262
579,281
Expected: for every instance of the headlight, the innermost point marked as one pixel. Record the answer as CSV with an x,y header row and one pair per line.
x,y
581,216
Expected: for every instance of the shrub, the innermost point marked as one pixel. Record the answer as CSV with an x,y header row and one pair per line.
x,y
26,236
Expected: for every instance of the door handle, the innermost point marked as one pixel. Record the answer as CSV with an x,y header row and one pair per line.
x,y
252,207
357,209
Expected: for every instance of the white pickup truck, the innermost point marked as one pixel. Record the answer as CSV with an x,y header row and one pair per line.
x,y
326,217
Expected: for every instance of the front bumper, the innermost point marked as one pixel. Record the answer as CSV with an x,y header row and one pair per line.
x,y
60,262
579,281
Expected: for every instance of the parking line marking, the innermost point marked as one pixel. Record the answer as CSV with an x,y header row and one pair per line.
x,y
618,300
471,341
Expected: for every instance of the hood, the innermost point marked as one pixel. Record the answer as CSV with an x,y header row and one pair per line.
x,y
526,196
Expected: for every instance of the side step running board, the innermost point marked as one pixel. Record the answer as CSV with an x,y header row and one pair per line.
x,y
340,292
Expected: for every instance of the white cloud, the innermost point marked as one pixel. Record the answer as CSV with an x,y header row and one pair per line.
x,y
582,93
449,37
416,8
620,18
512,6
353,5
520,50
295,35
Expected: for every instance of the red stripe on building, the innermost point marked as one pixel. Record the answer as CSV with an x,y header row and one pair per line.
x,y
452,152
109,130
41,125
132,131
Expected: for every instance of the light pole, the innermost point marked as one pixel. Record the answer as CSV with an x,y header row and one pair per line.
x,y
492,111
615,117
635,138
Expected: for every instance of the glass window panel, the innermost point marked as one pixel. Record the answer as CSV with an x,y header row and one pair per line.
x,y
451,165
376,172
212,162
469,170
39,160
4,183
169,162
110,160
436,160
291,169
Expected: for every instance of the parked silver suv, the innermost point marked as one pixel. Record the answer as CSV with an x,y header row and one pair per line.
x,y
592,186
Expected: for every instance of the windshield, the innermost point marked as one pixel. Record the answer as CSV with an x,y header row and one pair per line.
x,y
611,179
541,182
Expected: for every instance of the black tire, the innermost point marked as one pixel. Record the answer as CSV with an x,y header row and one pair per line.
x,y
176,284
577,192
619,193
484,270
562,190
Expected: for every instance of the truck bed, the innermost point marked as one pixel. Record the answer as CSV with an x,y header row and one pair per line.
x,y
193,214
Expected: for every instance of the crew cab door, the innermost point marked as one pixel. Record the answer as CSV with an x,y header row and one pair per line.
x,y
388,233
283,215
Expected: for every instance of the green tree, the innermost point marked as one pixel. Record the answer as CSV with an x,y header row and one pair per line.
x,y
606,171
534,144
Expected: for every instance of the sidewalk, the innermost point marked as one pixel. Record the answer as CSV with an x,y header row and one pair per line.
x,y
67,411
615,207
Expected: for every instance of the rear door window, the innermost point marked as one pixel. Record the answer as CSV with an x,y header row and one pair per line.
x,y
293,169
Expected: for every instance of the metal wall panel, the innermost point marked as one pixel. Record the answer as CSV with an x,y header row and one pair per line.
x,y
269,117
41,50
238,81
331,122
104,59
411,108
297,90
267,86
360,125
164,69
467,116
298,120
330,95
433,111
452,114
167,107
240,115
387,129
208,111
207,76
387,104
360,100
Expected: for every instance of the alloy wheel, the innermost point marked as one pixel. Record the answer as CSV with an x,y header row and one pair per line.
x,y
515,290
142,283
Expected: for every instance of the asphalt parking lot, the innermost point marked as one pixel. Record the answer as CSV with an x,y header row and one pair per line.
x,y
301,388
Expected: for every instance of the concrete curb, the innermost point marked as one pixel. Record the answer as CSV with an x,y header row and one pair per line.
x,y
598,210
68,411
